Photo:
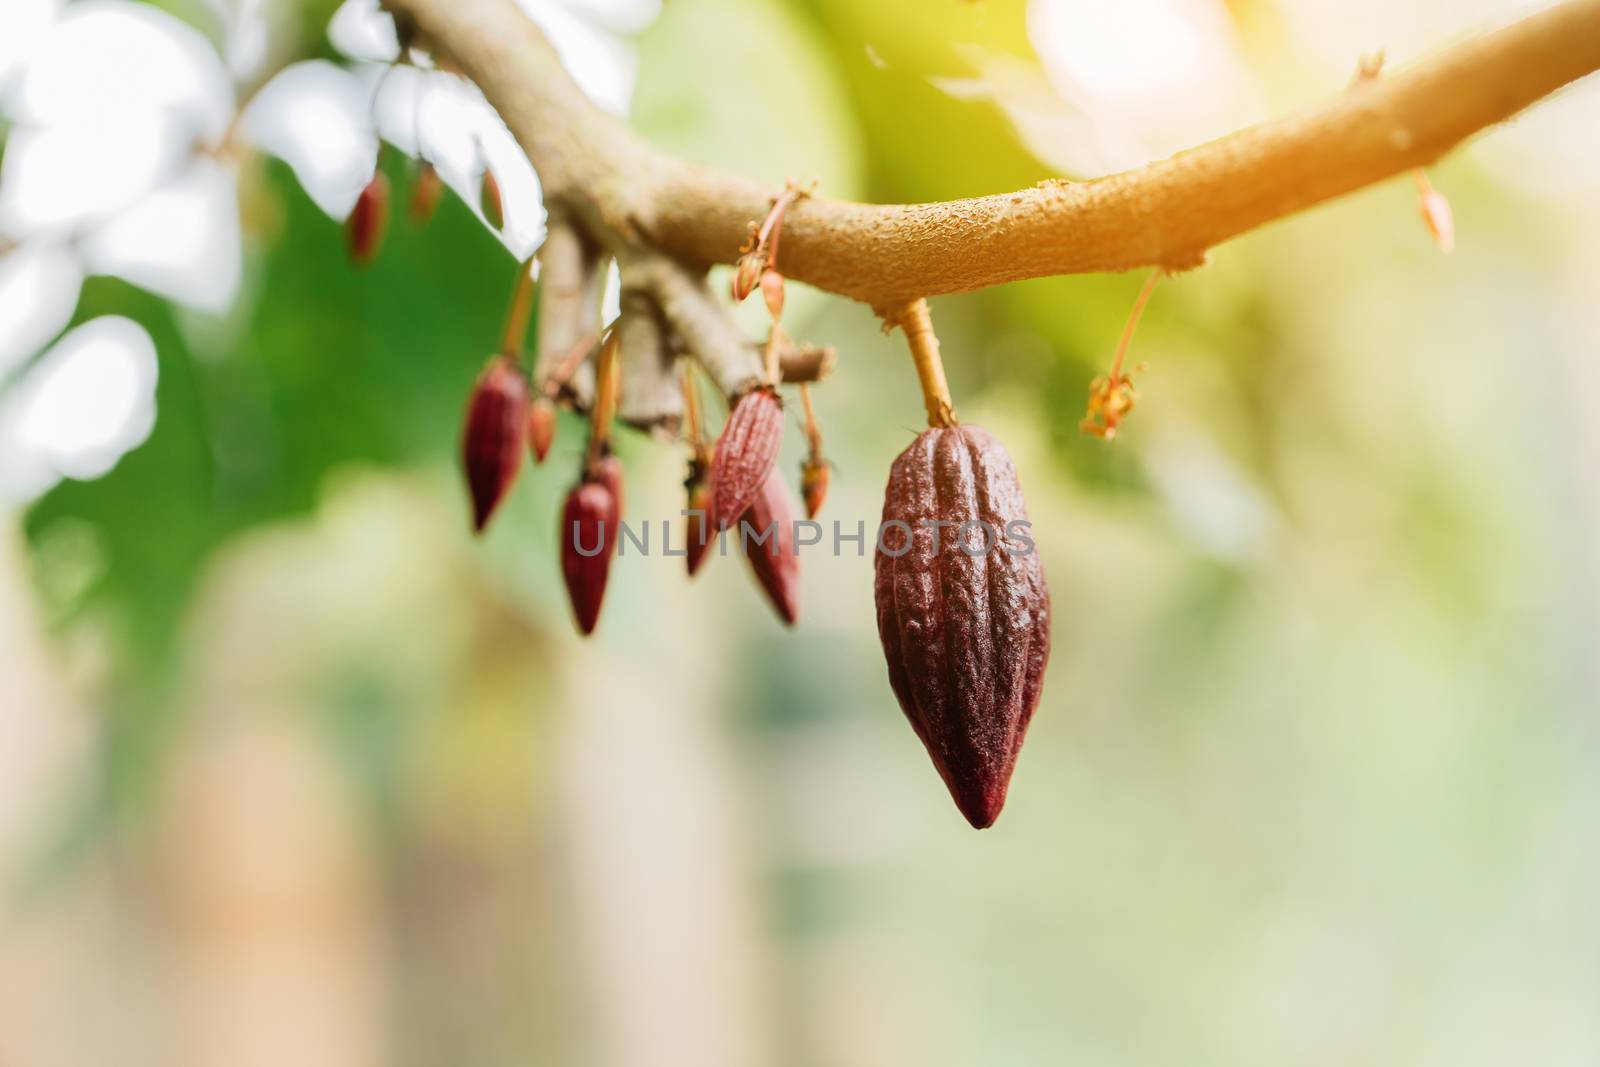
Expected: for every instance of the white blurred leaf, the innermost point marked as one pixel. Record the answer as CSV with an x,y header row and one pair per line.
x,y
1157,76
315,117
59,175
39,286
110,57
603,66
181,242
26,24
89,401
458,133
617,16
362,30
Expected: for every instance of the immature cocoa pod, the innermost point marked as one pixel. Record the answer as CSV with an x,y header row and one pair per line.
x,y
698,534
774,560
364,228
963,610
491,444
745,454
607,470
490,201
426,192
541,427
588,541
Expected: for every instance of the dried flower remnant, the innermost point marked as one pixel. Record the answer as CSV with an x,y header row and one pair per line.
x,y
1432,205
963,610
759,256
492,444
747,274
1436,214
772,293
814,470
541,427
814,477
367,221
1112,396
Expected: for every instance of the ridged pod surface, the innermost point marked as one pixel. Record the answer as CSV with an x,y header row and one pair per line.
x,y
745,454
774,561
966,633
588,540
492,441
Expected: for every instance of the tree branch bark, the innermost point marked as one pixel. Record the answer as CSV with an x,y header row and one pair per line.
x,y
1166,214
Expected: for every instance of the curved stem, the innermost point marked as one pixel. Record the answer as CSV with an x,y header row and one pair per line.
x,y
1133,322
605,395
519,311
914,319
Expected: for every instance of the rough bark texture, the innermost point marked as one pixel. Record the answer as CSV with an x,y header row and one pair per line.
x,y
966,633
1166,214
651,399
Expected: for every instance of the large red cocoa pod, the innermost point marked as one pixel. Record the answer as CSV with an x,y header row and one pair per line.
x,y
492,442
588,540
365,226
745,454
774,560
966,633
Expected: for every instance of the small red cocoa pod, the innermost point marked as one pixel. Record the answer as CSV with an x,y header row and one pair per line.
x,y
813,484
426,192
364,228
588,541
491,444
966,632
541,427
745,454
607,470
489,201
697,523
766,533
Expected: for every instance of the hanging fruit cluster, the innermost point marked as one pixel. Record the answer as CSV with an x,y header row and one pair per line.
x,y
963,610
964,619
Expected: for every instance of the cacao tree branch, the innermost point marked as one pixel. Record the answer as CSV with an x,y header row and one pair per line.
x,y
1166,214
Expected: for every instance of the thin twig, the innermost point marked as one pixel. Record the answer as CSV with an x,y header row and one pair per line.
x,y
918,326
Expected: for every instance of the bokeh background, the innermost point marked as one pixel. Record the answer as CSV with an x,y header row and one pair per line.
x,y
294,770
